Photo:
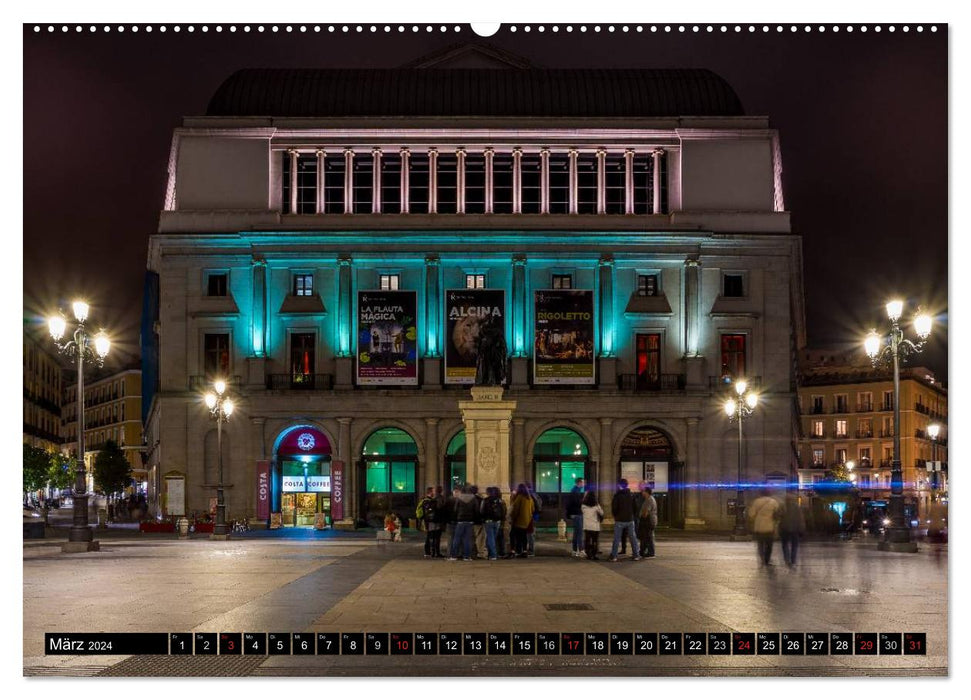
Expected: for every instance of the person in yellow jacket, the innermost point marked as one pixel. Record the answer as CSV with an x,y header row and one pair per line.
x,y
763,515
520,518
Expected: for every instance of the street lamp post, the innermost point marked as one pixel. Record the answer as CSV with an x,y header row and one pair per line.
x,y
933,430
737,408
82,346
220,408
894,348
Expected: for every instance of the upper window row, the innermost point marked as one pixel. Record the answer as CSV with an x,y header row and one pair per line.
x,y
448,184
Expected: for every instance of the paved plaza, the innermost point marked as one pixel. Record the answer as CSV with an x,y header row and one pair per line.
x,y
355,584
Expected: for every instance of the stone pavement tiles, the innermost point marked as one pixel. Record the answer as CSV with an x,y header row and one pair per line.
x,y
692,586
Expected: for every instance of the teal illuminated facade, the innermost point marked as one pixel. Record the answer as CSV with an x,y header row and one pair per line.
x,y
673,219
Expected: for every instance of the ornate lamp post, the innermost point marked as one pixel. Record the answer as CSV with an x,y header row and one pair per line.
x,y
933,430
220,408
83,347
737,408
892,349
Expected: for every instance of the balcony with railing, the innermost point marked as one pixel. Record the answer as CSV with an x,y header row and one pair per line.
x,y
864,407
639,383
299,382
862,434
884,433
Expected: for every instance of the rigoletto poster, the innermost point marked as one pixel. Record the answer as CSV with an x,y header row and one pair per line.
x,y
469,312
563,345
387,335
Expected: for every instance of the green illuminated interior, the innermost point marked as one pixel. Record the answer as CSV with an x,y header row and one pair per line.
x,y
385,473
559,455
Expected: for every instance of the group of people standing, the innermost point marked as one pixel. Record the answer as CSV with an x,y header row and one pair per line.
x,y
475,524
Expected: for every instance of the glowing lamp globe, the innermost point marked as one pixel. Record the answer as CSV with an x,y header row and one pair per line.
x,y
730,407
80,311
102,345
922,324
56,325
872,343
894,309
210,401
220,386
933,430
228,407
740,386
751,399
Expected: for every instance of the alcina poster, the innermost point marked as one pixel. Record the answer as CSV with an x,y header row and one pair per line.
x,y
387,334
469,312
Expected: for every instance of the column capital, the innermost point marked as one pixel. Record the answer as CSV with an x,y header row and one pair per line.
x,y
606,422
258,260
658,152
629,152
320,152
519,422
433,259
348,151
692,421
432,421
692,261
344,260
573,153
258,420
376,151
519,259
606,260
432,151
344,421
293,151
601,152
460,152
544,151
517,152
488,151
404,151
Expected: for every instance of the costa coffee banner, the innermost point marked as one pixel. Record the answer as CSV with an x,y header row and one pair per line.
x,y
468,312
337,490
305,484
263,489
563,345
387,337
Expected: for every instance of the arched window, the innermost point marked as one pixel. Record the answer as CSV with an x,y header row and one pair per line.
x,y
455,462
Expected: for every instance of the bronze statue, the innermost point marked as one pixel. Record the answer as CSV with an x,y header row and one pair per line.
x,y
490,368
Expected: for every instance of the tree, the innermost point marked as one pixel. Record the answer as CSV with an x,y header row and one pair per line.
x,y
112,472
37,462
61,471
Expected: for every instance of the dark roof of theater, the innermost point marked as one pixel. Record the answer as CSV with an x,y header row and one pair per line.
x,y
514,92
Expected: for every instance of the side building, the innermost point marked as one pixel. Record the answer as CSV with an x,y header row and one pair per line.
x,y
112,411
334,241
847,425
42,394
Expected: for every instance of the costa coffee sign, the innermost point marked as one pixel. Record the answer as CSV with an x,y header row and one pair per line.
x,y
337,490
263,489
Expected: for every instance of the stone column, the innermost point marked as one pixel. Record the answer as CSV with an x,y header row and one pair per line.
x,y
629,181
601,181
321,189
294,158
430,471
432,181
518,473
657,153
606,359
517,181
348,181
432,362
376,181
405,162
519,357
694,362
544,181
573,181
345,324
606,470
259,306
460,181
489,189
692,478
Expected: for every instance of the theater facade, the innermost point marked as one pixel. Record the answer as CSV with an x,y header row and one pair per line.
x,y
336,244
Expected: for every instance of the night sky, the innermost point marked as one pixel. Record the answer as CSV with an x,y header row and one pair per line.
x,y
862,121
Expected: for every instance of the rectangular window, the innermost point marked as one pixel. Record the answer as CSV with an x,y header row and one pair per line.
x,y
307,184
530,169
818,458
377,477
865,456
864,428
303,285
887,429
390,183
418,183
733,355
302,358
818,428
502,184
216,283
842,403
586,184
559,184
643,184
389,282
615,178
647,285
841,428
447,183
562,281
864,401
817,405
888,400
732,285
363,183
402,477
840,455
648,360
474,183
475,281
334,184
216,355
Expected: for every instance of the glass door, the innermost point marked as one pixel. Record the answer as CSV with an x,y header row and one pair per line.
x,y
288,504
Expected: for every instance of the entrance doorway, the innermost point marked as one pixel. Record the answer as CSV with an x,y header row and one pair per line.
x,y
455,464
560,457
302,483
647,457
386,475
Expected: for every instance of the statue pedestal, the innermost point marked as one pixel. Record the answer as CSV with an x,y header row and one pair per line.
x,y
487,419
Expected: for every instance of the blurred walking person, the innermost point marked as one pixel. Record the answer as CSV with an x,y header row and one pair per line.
x,y
430,510
531,530
763,515
493,516
792,526
574,516
521,517
647,522
622,507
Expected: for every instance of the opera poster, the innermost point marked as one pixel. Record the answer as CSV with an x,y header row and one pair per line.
x,y
563,337
467,313
387,337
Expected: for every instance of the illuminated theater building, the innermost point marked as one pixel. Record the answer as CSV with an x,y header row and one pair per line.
x,y
334,242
